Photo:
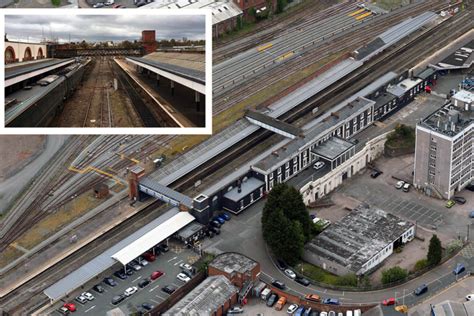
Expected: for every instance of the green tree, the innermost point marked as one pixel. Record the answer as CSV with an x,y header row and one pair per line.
x,y
281,4
349,279
393,274
421,264
56,3
434,251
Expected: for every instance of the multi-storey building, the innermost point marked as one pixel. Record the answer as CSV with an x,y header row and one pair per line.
x,y
444,150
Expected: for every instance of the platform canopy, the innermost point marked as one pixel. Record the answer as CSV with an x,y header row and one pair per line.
x,y
153,237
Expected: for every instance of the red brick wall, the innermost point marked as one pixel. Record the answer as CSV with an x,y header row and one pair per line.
x,y
149,41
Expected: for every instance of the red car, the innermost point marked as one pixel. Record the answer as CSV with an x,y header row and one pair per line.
x,y
70,306
149,257
155,275
388,302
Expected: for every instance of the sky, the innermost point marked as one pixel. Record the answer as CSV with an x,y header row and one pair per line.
x,y
94,28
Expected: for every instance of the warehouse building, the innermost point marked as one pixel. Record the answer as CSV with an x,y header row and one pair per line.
x,y
443,151
359,242
214,296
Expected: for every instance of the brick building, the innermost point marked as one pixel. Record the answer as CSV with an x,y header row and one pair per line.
x,y
149,41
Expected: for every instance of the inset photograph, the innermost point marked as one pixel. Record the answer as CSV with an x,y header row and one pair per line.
x,y
106,71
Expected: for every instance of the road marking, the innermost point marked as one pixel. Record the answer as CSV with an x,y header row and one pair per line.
x,y
137,279
176,285
159,296
151,290
89,309
178,262
172,259
154,301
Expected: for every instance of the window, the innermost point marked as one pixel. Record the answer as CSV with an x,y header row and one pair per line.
x,y
287,165
279,170
287,173
295,169
279,178
251,197
271,176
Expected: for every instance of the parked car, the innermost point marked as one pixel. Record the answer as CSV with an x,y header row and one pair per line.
x,y
450,203
88,296
470,187
147,306
63,310
186,266
149,256
215,224
141,3
280,303
215,230
375,173
142,261
299,311
134,266
459,269
302,281
292,308
117,299
109,2
98,5
187,273
169,289
219,219
81,299
331,301
400,184
225,216
318,165
281,264
110,281
98,288
421,289
312,297
183,277
459,200
129,272
70,306
289,273
471,214
307,311
279,285
389,301
130,291
119,274
470,297
144,282
272,300
406,187
235,310
156,274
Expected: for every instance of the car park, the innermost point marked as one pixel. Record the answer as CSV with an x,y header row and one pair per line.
x,y
235,310
119,274
302,281
156,274
63,310
88,296
272,300
389,301
312,297
81,299
98,288
278,284
130,291
70,306
289,273
117,299
168,289
470,297
459,269
421,289
144,283
450,203
110,281
183,277
331,301
399,184
291,309
459,200
318,165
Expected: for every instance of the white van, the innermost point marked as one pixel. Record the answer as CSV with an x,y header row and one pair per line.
x,y
349,313
265,294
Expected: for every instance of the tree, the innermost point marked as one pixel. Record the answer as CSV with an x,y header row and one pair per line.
x,y
434,251
393,274
56,3
281,4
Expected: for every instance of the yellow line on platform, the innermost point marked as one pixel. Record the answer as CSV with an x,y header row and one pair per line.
x,y
264,47
360,17
285,56
93,169
356,12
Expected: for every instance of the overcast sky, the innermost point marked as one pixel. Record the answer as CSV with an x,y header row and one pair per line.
x,y
103,27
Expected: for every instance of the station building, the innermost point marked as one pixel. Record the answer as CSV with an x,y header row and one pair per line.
x,y
359,242
22,51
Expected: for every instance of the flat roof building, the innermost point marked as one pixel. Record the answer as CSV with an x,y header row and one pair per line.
x,y
214,296
359,242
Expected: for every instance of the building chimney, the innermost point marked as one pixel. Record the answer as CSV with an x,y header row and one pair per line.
x,y
239,186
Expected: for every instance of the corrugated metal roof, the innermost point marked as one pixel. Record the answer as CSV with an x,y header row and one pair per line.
x,y
12,72
102,262
170,193
405,28
153,237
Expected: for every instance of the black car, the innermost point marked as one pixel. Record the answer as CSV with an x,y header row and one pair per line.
x,y
110,281
278,284
375,173
117,299
147,306
144,283
281,265
119,274
459,199
215,224
168,289
421,289
98,288
188,273
302,281
470,187
272,300
164,248
215,230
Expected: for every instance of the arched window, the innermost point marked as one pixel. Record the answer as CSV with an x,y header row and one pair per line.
x,y
40,53
9,55
28,55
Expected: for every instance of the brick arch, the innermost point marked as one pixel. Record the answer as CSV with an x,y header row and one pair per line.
x,y
28,55
10,55
40,53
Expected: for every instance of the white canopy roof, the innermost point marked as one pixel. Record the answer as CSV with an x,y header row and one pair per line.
x,y
153,237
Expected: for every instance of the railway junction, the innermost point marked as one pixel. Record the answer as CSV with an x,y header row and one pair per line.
x,y
105,87
349,114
